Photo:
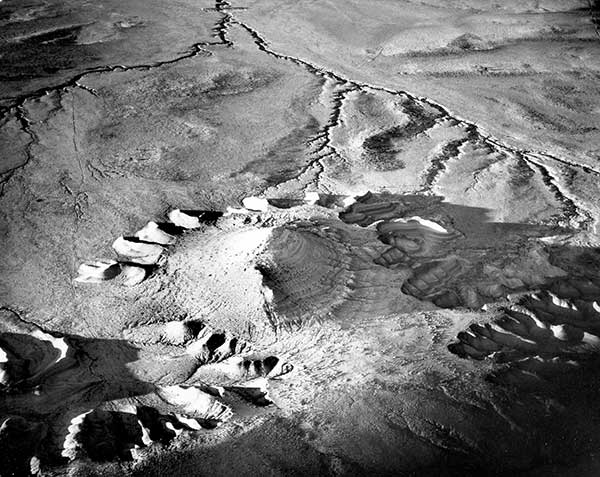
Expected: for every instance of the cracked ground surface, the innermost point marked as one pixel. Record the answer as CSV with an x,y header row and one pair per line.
x,y
349,238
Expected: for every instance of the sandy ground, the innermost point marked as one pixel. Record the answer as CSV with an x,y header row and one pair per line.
x,y
413,287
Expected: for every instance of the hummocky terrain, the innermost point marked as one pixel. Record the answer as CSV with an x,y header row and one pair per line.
x,y
299,238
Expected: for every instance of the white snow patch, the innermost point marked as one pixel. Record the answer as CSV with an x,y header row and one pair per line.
x,y
256,203
311,198
430,224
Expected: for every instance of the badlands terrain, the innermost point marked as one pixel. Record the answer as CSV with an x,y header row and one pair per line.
x,y
298,237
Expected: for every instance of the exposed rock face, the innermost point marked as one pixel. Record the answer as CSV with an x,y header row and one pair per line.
x,y
54,378
541,335
115,430
31,356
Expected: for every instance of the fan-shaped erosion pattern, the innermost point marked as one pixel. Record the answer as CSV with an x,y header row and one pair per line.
x,y
454,254
550,330
67,398
318,264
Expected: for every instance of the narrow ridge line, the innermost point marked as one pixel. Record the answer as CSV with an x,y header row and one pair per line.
x,y
25,126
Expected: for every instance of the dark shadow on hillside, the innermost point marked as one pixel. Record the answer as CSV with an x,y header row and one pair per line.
x,y
456,256
543,343
45,384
